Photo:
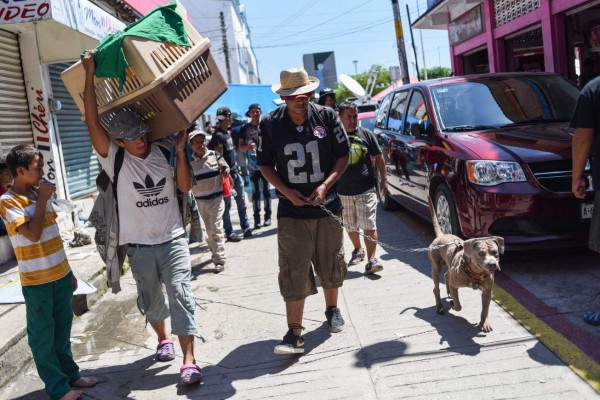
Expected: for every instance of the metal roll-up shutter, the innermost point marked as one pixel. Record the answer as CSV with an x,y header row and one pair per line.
x,y
79,160
15,124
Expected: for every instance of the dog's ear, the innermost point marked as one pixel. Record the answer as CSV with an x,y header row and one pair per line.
x,y
468,246
500,242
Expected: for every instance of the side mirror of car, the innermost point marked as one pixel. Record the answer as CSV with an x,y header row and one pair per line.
x,y
420,129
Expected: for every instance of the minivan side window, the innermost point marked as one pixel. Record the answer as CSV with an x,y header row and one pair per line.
x,y
383,112
417,119
397,111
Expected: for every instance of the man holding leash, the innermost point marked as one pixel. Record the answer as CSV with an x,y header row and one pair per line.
x,y
302,151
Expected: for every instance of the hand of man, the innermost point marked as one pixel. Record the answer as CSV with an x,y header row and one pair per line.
x,y
296,198
579,186
318,195
181,139
75,286
88,62
383,188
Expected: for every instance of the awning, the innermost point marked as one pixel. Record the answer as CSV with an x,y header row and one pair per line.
x,y
439,15
64,28
239,97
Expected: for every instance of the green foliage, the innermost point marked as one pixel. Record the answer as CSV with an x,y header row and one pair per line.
x,y
435,72
383,81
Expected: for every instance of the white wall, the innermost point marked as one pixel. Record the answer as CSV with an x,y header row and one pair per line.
x,y
205,16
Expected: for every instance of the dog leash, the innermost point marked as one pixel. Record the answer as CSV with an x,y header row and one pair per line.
x,y
351,228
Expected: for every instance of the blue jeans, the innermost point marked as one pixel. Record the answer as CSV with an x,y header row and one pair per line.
x,y
168,263
238,185
260,186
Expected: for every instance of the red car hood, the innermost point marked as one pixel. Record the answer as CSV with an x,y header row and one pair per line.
x,y
523,143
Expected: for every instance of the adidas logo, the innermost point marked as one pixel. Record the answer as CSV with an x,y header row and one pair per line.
x,y
150,190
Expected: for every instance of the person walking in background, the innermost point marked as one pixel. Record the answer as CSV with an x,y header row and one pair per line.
x,y
222,143
260,186
357,187
209,170
302,151
327,98
154,232
46,277
586,142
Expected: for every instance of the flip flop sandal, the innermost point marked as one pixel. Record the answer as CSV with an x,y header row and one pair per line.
x,y
190,374
592,318
165,351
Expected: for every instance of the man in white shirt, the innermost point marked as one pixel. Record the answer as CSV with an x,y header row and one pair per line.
x,y
150,223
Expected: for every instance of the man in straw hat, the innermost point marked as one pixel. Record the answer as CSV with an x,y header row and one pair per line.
x,y
303,149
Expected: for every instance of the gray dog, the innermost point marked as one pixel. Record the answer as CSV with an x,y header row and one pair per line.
x,y
471,263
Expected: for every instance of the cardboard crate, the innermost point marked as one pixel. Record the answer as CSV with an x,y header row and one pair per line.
x,y
170,86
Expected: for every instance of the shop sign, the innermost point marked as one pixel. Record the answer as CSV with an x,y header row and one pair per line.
x,y
85,17
16,11
466,26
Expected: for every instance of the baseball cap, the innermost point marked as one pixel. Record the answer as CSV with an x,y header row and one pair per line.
x,y
223,112
251,106
197,132
127,125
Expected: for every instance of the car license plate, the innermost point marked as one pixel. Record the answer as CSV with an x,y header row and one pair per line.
x,y
586,211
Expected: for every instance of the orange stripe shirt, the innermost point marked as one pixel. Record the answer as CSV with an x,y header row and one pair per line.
x,y
40,262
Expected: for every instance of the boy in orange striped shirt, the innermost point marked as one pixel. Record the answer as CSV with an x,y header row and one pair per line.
x,y
46,276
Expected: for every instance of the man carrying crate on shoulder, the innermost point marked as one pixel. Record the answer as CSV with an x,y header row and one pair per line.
x,y
150,223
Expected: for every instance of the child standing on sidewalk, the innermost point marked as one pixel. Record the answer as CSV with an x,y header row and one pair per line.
x,y
45,274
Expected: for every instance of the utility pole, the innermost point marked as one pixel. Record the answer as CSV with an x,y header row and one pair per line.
x,y
225,46
400,43
355,62
412,40
422,48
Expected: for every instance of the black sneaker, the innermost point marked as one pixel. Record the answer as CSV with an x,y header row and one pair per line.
x,y
257,225
291,344
247,232
267,222
373,266
334,319
234,238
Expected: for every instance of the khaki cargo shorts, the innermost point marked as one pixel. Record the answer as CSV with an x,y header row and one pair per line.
x,y
304,244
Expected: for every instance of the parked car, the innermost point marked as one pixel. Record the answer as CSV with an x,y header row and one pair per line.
x,y
367,120
492,151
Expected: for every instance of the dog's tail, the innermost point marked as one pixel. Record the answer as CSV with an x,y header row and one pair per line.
x,y
434,220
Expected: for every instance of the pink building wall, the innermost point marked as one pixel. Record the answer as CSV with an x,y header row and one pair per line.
x,y
552,18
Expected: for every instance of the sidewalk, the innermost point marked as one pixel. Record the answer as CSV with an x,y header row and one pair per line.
x,y
394,344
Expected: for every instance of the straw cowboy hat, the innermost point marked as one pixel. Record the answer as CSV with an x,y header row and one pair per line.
x,y
294,81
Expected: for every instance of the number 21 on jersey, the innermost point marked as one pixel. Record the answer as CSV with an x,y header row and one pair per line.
x,y
299,161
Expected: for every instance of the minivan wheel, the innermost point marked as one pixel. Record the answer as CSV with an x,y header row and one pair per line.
x,y
386,201
446,211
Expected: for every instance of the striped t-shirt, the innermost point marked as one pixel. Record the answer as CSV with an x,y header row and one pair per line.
x,y
40,262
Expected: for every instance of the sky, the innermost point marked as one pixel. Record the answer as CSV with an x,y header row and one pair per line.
x,y
362,30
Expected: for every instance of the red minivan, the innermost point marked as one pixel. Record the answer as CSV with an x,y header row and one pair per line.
x,y
493,152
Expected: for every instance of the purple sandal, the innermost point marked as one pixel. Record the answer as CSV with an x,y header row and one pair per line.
x,y
190,373
165,351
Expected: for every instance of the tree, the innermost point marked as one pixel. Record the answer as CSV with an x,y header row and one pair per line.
x,y
435,72
383,81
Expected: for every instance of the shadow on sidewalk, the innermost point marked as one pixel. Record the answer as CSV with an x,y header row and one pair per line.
x,y
251,361
454,330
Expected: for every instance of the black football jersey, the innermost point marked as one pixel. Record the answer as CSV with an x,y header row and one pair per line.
x,y
303,156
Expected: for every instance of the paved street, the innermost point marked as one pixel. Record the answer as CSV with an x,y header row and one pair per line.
x,y
394,345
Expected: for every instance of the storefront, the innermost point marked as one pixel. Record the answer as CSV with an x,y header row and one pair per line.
x,y
519,35
38,40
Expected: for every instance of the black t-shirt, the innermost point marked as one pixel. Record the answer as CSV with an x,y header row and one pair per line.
x,y
359,177
223,139
303,156
586,116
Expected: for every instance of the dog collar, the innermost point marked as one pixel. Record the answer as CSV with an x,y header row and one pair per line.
x,y
475,279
